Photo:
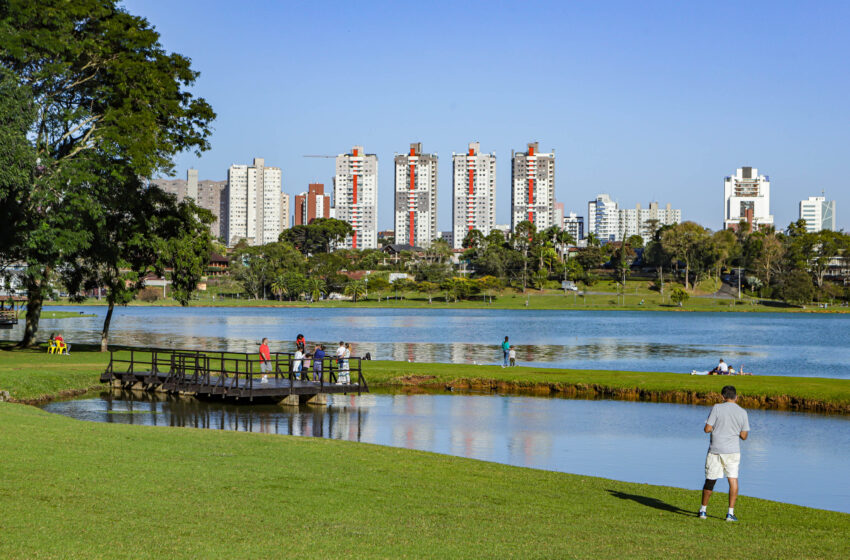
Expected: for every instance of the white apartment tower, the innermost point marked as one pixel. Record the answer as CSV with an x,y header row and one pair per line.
x,y
640,221
603,218
415,197
533,188
747,198
253,195
819,214
285,211
356,197
474,184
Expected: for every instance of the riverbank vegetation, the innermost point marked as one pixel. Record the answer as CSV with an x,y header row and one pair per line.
x,y
234,494
32,375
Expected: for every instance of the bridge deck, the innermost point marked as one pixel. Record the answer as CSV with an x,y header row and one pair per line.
x,y
227,375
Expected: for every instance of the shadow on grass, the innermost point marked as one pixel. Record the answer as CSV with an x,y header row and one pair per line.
x,y
650,502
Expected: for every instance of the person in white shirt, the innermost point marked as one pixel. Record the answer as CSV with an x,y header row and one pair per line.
x,y
721,369
296,362
344,372
340,352
512,355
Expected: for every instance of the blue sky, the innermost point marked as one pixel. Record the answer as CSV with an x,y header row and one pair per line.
x,y
644,101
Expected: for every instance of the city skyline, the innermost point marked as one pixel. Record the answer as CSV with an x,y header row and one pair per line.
x,y
652,112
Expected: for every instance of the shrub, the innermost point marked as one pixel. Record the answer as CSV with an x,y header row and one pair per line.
x,y
149,294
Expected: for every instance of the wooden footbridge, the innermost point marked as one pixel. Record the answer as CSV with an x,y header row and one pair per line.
x,y
233,376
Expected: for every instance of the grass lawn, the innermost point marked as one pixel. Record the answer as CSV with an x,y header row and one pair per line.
x,y
638,297
31,374
72,489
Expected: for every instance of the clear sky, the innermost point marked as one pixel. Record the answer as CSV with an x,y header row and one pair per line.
x,y
641,100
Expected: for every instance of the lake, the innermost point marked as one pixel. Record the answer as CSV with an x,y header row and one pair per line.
x,y
796,344
790,457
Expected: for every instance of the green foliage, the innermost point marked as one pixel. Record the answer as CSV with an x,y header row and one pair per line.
x,y
106,96
319,236
679,296
356,289
796,287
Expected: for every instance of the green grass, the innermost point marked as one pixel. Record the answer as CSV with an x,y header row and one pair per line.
x,y
49,314
638,297
32,374
832,392
72,489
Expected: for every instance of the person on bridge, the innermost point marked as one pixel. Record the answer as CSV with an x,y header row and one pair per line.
x,y
344,372
728,424
318,358
265,357
296,362
300,343
506,347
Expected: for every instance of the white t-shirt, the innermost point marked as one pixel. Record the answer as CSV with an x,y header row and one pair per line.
x,y
340,351
724,367
512,353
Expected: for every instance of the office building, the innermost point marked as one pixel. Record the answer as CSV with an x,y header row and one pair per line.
x,y
356,197
312,204
415,197
474,187
819,214
747,199
207,195
533,187
285,211
574,225
253,195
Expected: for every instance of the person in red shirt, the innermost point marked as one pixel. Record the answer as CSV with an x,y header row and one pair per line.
x,y
265,357
300,343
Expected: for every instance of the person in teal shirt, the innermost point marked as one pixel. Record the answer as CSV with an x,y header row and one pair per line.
x,y
506,348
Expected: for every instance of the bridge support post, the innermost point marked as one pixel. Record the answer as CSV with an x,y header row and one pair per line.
x,y
318,399
291,400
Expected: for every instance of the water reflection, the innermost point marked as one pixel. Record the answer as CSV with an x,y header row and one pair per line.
x,y
766,343
792,457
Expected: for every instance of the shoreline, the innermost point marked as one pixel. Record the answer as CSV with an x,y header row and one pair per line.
x,y
31,378
703,307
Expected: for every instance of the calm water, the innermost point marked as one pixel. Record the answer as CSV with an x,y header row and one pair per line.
x,y
766,343
789,457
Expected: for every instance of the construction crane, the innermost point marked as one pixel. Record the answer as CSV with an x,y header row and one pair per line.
x,y
332,157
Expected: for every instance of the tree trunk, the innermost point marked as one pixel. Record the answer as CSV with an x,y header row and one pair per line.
x,y
104,333
687,273
35,300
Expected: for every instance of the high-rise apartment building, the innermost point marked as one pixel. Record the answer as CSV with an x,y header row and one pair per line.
x,y
415,197
312,204
474,185
285,211
253,194
574,225
819,214
645,221
747,199
610,223
533,187
603,218
356,197
206,194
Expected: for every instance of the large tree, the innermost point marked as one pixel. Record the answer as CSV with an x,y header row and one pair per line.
x,y
102,89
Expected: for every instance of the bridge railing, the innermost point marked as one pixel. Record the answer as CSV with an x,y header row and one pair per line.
x,y
226,369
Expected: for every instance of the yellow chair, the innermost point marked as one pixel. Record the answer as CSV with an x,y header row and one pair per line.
x,y
57,347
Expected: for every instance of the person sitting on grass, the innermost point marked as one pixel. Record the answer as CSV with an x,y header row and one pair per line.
x,y
721,369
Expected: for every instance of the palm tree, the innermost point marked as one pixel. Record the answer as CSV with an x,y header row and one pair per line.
x,y
355,289
278,286
592,240
315,287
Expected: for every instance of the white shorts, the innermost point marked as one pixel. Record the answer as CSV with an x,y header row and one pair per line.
x,y
718,465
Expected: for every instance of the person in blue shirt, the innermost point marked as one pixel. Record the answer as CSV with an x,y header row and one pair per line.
x,y
506,347
318,358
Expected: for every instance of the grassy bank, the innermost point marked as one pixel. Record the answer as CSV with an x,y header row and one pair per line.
x,y
795,393
32,375
71,489
637,297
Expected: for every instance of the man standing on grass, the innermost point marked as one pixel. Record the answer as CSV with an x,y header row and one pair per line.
x,y
728,425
